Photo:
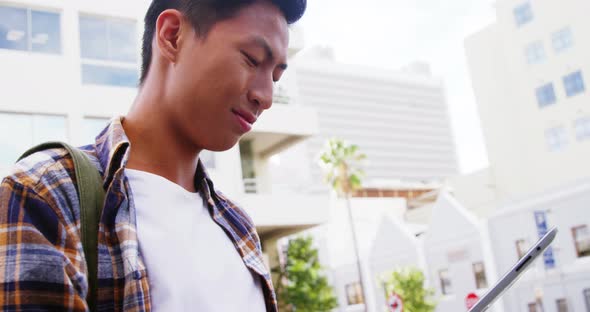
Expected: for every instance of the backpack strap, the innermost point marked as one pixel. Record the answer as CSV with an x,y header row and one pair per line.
x,y
91,194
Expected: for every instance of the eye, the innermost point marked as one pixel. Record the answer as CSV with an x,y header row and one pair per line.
x,y
251,60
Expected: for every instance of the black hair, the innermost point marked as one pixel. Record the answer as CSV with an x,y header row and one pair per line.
x,y
202,15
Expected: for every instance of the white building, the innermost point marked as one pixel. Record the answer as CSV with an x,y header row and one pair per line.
x,y
530,73
399,119
68,66
458,254
566,285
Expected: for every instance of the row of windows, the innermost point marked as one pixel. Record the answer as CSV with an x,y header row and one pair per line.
x,y
581,240
557,137
479,274
561,41
37,128
573,84
108,46
561,304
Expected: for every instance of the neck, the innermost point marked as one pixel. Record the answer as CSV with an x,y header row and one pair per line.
x,y
156,145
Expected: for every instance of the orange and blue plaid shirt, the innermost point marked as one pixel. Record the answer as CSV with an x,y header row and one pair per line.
x,y
42,265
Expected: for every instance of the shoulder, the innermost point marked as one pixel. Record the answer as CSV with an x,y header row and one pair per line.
x,y
47,176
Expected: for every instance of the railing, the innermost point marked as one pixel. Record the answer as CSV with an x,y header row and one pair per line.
x,y
281,95
251,186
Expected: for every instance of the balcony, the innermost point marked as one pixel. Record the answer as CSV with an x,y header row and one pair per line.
x,y
283,214
282,126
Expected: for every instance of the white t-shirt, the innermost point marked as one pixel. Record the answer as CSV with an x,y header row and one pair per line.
x,y
192,264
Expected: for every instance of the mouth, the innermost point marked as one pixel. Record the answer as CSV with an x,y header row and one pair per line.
x,y
245,119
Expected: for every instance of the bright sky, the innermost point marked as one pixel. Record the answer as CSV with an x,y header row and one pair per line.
x,y
393,33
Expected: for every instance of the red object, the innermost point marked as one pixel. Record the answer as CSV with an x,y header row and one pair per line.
x,y
471,300
395,303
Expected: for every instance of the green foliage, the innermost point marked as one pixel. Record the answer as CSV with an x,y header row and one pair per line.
x,y
302,286
408,283
341,164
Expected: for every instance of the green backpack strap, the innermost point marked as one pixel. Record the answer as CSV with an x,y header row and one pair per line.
x,y
91,194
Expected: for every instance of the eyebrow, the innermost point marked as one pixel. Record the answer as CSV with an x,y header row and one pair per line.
x,y
263,44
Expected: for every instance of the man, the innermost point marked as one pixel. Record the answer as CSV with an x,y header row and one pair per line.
x,y
168,240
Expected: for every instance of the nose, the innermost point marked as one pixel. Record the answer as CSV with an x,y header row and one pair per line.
x,y
260,93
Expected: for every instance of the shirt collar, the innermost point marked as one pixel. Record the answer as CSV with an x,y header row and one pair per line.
x,y
112,151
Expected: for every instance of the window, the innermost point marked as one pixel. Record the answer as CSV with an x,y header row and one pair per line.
x,y
208,159
581,237
521,248
545,95
562,39
354,293
574,83
445,282
92,127
32,129
30,30
108,48
561,305
480,275
582,127
587,298
523,14
535,53
556,138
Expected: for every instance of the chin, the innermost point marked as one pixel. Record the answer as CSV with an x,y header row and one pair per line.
x,y
223,144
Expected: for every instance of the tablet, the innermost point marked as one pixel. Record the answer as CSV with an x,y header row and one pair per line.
x,y
517,270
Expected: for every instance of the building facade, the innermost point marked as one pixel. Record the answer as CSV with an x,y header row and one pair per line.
x,y
530,74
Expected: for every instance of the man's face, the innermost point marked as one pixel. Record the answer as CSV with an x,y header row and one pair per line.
x,y
223,81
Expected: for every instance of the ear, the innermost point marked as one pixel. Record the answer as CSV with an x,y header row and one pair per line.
x,y
168,29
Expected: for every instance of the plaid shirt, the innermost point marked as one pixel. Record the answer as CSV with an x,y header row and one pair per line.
x,y
42,264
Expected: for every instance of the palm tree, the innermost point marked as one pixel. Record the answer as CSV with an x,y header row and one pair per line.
x,y
341,164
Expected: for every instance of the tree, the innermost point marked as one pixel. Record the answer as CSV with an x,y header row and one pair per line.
x,y
341,164
408,283
301,285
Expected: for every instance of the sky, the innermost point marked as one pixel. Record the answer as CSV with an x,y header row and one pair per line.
x,y
392,33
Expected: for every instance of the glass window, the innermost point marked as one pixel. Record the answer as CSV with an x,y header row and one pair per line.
x,y
13,28
45,32
561,305
354,293
535,53
123,41
556,139
113,43
521,248
545,95
445,282
582,127
32,129
562,39
93,38
92,128
109,75
581,237
574,83
208,159
480,275
523,14
30,30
